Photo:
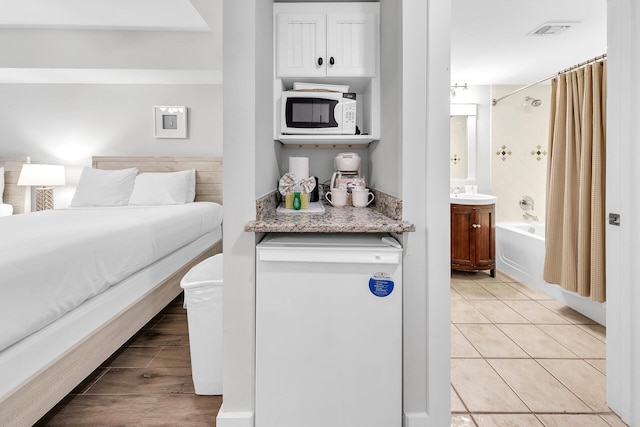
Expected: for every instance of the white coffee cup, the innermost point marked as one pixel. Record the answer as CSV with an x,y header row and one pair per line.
x,y
361,197
337,197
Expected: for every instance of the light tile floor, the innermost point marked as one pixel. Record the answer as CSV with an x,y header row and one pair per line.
x,y
520,358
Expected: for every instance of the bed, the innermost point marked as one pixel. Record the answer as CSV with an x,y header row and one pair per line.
x,y
42,367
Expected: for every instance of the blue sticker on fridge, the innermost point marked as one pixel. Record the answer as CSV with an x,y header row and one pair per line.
x,y
381,285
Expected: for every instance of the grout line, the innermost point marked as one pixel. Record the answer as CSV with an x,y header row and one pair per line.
x,y
160,348
565,385
95,380
468,299
459,397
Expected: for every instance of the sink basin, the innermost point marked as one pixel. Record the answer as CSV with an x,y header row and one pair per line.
x,y
472,199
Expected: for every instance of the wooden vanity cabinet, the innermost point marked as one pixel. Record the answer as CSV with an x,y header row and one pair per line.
x,y
473,245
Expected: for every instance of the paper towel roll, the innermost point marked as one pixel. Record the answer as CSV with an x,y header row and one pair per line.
x,y
299,166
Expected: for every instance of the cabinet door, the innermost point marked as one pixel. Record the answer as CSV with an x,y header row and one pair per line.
x,y
462,235
301,45
351,44
485,252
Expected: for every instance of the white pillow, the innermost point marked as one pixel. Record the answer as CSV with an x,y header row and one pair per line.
x,y
99,187
163,188
191,191
1,183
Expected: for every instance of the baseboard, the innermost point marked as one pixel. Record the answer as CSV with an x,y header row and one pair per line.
x,y
416,419
234,419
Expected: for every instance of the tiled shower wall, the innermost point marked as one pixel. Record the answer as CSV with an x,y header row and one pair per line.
x,y
519,150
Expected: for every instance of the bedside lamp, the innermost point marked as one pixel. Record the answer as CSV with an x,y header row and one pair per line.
x,y
42,176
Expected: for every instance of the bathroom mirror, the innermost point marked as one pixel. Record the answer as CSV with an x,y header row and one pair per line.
x,y
462,143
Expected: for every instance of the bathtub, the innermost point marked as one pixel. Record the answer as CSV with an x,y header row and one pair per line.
x,y
520,254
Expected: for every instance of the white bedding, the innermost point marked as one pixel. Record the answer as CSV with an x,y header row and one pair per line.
x,y
5,209
52,261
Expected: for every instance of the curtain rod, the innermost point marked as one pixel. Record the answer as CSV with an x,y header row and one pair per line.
x,y
566,70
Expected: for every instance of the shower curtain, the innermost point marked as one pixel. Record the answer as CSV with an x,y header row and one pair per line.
x,y
575,211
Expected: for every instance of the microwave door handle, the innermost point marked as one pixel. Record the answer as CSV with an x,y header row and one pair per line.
x,y
338,115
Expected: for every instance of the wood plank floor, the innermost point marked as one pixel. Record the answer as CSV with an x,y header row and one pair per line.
x,y
145,383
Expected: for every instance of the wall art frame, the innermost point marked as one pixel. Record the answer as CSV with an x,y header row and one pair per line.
x,y
170,121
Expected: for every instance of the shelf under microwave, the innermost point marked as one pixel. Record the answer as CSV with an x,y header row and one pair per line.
x,y
323,141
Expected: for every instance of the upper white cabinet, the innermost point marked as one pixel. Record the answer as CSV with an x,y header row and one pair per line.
x,y
352,44
301,48
331,44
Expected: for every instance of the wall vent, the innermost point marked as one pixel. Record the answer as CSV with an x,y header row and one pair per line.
x,y
551,28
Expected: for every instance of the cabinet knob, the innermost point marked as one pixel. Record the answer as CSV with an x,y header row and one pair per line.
x,y
320,61
332,61
476,225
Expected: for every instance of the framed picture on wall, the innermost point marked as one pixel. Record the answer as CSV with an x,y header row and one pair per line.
x,y
170,121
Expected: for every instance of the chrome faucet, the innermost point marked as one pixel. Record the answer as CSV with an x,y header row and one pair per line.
x,y
528,217
457,190
526,203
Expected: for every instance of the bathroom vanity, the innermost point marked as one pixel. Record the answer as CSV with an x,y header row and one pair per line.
x,y
473,237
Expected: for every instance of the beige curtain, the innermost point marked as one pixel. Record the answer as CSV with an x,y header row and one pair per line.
x,y
575,211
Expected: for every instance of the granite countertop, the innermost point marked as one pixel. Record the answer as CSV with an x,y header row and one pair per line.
x,y
346,219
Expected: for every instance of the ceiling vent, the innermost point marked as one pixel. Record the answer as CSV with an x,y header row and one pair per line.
x,y
551,28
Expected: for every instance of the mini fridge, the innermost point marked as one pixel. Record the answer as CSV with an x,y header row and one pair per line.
x,y
328,331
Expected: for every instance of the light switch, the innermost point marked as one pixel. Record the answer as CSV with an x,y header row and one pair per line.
x,y
614,219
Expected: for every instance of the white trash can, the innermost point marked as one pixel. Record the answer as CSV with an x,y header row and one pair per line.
x,y
203,300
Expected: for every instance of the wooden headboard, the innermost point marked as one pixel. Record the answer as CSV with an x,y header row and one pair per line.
x,y
208,170
14,195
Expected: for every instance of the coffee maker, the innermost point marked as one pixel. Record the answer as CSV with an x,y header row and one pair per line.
x,y
347,175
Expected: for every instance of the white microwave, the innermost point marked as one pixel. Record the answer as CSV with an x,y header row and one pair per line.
x,y
318,113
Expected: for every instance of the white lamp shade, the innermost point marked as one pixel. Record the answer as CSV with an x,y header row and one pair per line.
x,y
44,175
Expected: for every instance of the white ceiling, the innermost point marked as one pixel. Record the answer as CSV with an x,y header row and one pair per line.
x,y
110,15
132,15
489,38
490,45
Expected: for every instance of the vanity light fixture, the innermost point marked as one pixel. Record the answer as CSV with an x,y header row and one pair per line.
x,y
458,86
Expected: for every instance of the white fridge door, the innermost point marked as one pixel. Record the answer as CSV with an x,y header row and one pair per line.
x,y
329,337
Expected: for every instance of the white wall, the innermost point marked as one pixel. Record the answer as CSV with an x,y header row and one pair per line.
x,y
247,30
385,157
425,172
523,130
321,161
68,123
623,252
